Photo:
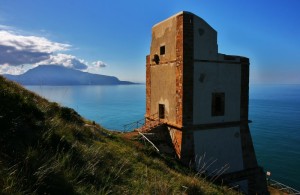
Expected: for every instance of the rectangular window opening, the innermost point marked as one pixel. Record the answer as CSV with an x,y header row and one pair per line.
x,y
218,104
162,50
161,111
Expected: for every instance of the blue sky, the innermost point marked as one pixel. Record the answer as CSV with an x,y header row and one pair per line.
x,y
113,37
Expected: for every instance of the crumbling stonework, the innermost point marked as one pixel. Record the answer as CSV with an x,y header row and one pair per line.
x,y
148,84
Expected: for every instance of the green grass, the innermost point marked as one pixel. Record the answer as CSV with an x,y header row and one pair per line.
x,y
49,149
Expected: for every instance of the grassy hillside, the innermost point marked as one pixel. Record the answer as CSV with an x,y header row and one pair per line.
x,y
49,149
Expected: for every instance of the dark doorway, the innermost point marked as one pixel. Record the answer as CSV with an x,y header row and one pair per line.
x,y
162,50
218,104
161,111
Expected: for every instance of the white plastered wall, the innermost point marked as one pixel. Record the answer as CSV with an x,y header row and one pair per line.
x,y
205,40
218,148
216,78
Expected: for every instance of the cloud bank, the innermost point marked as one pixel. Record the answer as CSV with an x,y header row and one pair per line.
x,y
18,50
64,60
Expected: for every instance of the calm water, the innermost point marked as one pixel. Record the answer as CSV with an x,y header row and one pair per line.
x,y
274,110
110,106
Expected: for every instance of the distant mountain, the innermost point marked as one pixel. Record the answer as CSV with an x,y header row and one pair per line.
x,y
59,75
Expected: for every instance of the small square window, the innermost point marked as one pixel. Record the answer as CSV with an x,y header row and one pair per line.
x,y
218,104
162,50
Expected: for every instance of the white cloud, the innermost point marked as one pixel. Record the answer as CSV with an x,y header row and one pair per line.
x,y
65,60
30,43
18,50
99,64
95,67
18,53
14,70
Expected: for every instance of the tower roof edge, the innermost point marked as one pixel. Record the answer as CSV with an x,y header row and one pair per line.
x,y
175,15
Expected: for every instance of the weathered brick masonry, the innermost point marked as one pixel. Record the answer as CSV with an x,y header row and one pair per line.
x,y
187,150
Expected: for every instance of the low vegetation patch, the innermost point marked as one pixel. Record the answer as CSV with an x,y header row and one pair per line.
x,y
49,149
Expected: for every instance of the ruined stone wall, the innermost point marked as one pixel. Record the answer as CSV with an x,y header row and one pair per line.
x,y
162,82
164,34
163,89
185,77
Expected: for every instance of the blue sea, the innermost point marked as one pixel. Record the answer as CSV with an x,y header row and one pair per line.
x,y
273,109
275,112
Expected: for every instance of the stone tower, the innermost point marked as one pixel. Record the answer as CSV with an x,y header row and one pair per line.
x,y
202,98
